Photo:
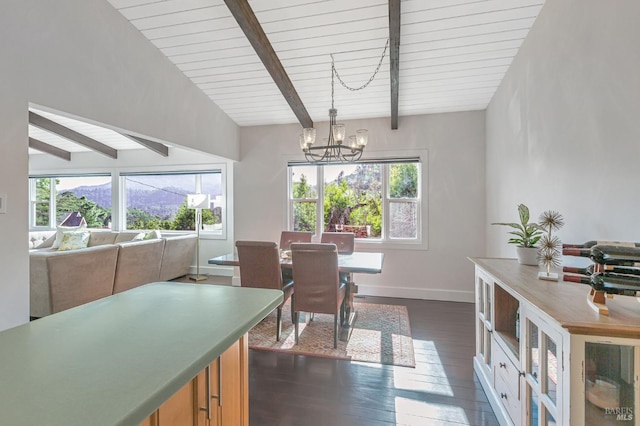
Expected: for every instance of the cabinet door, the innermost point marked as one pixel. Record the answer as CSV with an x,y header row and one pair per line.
x,y
234,385
604,381
543,372
222,389
208,391
179,409
484,314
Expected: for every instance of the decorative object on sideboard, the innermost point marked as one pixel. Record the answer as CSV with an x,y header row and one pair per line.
x,y
198,202
526,235
615,271
333,150
549,249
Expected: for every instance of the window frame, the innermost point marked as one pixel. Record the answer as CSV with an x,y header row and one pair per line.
x,y
118,208
419,243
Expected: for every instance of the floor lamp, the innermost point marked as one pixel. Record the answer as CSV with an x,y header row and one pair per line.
x,y
198,202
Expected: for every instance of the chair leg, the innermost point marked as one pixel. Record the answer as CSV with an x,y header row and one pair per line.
x,y
335,331
279,324
293,308
296,325
342,309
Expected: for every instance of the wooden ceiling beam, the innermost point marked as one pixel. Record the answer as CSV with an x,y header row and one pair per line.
x,y
394,58
156,147
71,135
248,22
49,149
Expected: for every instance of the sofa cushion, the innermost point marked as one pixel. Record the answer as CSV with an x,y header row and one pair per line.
x,y
100,238
178,255
124,236
74,240
138,263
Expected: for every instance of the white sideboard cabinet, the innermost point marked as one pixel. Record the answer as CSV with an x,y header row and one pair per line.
x,y
545,357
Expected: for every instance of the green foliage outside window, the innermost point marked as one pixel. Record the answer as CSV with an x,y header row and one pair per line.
x,y
403,180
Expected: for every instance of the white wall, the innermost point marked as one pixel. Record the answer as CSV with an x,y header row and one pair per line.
x,y
83,58
562,130
454,182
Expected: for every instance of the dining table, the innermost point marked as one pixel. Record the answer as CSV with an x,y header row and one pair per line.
x,y
356,262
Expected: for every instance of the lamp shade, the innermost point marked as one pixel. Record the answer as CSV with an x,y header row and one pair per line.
x,y
198,201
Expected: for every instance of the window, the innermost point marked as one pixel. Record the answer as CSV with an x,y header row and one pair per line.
x,y
54,198
144,200
159,200
375,200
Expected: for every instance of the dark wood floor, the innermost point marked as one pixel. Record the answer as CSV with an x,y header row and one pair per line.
x,y
441,390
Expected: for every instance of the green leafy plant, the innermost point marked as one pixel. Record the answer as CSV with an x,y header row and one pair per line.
x,y
526,234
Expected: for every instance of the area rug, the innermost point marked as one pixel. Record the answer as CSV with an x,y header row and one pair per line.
x,y
381,334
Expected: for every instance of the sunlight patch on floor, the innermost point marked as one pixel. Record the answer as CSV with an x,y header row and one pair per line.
x,y
405,378
412,412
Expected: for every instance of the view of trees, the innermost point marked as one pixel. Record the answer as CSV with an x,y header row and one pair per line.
x,y
356,199
98,216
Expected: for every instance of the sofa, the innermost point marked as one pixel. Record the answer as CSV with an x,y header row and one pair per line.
x,y
111,263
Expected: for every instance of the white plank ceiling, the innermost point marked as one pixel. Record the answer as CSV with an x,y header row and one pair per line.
x,y
453,53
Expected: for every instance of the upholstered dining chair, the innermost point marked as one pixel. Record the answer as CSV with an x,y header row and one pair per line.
x,y
260,268
345,241
318,287
288,237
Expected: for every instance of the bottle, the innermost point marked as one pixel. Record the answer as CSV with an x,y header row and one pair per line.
x,y
607,255
592,243
615,255
589,270
609,283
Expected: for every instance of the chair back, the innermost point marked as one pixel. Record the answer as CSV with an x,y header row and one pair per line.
x,y
345,241
315,277
288,237
259,264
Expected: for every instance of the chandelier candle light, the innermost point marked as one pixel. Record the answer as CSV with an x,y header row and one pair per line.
x,y
334,150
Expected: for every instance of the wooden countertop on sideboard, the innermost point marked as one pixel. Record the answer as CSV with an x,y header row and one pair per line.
x,y
566,302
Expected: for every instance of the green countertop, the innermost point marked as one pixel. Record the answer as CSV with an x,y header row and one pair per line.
x,y
115,360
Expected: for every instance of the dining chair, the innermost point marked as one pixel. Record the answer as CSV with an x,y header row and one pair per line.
x,y
345,241
288,237
317,284
260,268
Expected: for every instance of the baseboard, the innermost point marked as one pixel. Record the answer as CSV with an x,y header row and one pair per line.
x,y
417,293
223,271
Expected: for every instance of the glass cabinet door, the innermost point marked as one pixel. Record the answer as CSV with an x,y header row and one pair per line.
x,y
484,296
543,369
610,384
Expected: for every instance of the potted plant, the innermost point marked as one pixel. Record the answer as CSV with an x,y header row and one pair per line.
x,y
525,236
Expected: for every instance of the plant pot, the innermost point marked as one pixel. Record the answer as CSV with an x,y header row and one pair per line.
x,y
527,255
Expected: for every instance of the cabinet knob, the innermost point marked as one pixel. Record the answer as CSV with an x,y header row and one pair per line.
x,y
535,375
503,365
503,395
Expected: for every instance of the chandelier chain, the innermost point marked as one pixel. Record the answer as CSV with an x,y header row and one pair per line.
x,y
354,89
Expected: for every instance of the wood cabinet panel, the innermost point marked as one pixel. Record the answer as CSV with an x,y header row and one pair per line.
x,y
217,396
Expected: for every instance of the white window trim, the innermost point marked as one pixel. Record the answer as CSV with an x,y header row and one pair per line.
x,y
421,243
118,216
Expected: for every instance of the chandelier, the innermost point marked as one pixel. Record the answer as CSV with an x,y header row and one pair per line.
x,y
335,149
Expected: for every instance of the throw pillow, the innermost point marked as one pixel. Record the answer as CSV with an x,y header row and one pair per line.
x,y
141,236
74,240
60,232
153,235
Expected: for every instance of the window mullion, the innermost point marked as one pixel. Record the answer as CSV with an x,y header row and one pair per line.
x,y
53,222
320,201
385,202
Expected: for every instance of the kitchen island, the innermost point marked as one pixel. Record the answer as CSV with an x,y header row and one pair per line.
x,y
117,360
